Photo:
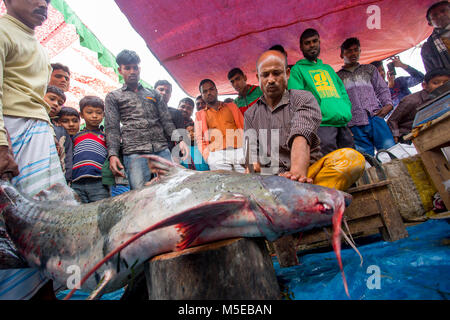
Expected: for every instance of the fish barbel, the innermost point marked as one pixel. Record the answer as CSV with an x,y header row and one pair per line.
x,y
113,237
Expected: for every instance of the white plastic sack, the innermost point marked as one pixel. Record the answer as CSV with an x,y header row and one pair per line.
x,y
400,150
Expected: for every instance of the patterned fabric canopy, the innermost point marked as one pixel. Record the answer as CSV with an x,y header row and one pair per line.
x,y
62,41
197,39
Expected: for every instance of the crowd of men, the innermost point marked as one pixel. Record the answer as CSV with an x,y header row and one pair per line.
x,y
304,122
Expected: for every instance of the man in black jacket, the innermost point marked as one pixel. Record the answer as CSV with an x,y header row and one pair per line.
x,y
435,51
164,88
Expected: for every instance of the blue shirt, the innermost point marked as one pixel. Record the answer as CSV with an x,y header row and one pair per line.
x,y
402,85
196,160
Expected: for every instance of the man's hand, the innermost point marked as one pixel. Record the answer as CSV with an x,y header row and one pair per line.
x,y
116,166
398,63
256,168
58,147
384,111
8,167
396,139
184,150
391,80
300,155
296,176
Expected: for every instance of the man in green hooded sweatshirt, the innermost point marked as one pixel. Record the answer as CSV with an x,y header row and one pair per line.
x,y
312,75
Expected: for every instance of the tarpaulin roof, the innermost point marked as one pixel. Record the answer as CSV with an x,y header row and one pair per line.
x,y
196,39
69,42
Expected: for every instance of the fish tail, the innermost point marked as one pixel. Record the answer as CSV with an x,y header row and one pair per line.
x,y
337,220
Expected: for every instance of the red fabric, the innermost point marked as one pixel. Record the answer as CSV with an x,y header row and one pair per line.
x,y
196,39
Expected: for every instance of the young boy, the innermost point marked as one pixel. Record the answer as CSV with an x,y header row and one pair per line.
x,y
195,160
89,152
55,97
370,98
402,118
69,118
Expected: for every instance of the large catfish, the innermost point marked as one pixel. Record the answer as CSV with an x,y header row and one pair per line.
x,y
112,238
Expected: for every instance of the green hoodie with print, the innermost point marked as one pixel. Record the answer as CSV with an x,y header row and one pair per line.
x,y
321,80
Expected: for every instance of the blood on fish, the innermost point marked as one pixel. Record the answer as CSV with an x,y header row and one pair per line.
x,y
337,219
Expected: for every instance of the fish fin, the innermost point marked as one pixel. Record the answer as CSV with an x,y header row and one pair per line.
x,y
98,291
189,232
162,166
57,192
264,220
206,214
191,223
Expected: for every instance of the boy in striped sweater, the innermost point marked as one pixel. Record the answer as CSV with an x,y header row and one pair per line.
x,y
89,152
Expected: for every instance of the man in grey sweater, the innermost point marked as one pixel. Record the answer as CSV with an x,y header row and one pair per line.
x,y
145,120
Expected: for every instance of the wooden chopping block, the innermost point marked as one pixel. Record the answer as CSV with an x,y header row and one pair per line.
x,y
236,269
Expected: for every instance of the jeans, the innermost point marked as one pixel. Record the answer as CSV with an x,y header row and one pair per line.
x,y
90,189
374,135
118,189
137,169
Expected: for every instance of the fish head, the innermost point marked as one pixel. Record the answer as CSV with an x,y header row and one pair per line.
x,y
300,206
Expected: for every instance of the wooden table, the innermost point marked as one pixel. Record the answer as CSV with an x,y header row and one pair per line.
x,y
429,139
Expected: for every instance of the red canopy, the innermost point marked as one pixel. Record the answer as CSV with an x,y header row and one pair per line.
x,y
197,39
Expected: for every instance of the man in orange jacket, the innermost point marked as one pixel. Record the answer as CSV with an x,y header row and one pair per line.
x,y
219,131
